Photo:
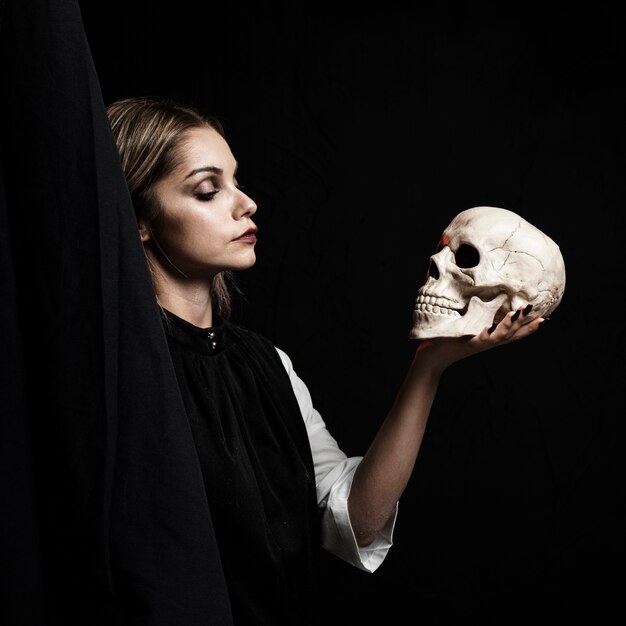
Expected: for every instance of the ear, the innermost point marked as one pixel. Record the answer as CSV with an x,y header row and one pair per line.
x,y
144,232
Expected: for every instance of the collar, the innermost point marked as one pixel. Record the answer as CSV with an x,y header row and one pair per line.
x,y
209,340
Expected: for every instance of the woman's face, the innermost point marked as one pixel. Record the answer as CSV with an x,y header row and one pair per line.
x,y
205,225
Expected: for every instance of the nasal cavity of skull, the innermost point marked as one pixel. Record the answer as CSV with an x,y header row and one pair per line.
x,y
433,270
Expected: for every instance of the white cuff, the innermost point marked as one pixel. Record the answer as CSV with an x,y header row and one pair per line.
x,y
338,536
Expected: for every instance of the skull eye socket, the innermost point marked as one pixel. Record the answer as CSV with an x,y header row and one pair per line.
x,y
467,256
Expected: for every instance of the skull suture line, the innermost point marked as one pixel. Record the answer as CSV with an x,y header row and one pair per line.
x,y
489,261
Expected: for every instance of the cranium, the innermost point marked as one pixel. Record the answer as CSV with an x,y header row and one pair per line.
x,y
489,261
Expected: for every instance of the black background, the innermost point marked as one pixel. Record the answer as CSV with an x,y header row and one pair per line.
x,y
360,136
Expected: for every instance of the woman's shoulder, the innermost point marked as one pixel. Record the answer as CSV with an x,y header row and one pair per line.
x,y
259,346
251,337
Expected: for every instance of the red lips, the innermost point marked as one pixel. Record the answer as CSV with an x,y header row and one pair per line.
x,y
249,236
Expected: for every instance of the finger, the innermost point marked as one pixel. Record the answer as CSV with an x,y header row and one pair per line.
x,y
507,325
524,330
510,324
521,313
520,316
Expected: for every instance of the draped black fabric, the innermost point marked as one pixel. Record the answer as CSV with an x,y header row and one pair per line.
x,y
257,467
105,518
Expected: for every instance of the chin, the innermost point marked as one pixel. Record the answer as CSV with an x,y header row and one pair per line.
x,y
243,265
251,260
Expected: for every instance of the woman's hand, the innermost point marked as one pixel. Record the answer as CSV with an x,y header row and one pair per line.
x,y
441,352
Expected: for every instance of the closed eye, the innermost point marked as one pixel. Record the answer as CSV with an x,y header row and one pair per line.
x,y
205,196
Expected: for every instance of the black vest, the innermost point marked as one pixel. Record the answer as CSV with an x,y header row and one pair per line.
x,y
257,467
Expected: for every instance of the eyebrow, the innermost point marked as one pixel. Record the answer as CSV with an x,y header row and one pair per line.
x,y
209,168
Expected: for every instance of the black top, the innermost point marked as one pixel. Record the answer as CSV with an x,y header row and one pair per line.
x,y
257,467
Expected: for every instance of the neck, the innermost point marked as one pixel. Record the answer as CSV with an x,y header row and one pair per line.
x,y
188,298
191,306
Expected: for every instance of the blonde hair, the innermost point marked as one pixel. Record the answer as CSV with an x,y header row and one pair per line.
x,y
149,133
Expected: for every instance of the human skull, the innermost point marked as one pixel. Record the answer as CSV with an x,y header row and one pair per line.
x,y
489,261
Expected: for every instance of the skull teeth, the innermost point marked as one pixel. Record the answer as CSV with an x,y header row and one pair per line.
x,y
435,306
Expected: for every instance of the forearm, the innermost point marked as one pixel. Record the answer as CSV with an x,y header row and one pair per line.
x,y
386,468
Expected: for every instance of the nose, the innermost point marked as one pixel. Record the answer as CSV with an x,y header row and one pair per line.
x,y
246,206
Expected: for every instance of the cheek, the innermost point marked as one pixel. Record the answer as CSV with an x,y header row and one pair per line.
x,y
188,233
167,229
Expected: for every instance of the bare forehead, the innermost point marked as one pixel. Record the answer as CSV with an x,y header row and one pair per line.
x,y
205,147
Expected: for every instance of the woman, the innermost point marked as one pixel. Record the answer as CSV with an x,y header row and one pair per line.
x,y
277,483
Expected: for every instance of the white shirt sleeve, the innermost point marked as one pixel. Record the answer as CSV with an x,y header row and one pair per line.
x,y
334,471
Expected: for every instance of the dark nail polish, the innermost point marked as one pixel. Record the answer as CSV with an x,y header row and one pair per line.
x,y
527,310
493,327
515,316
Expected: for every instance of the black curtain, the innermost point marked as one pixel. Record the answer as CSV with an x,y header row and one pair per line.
x,y
104,515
